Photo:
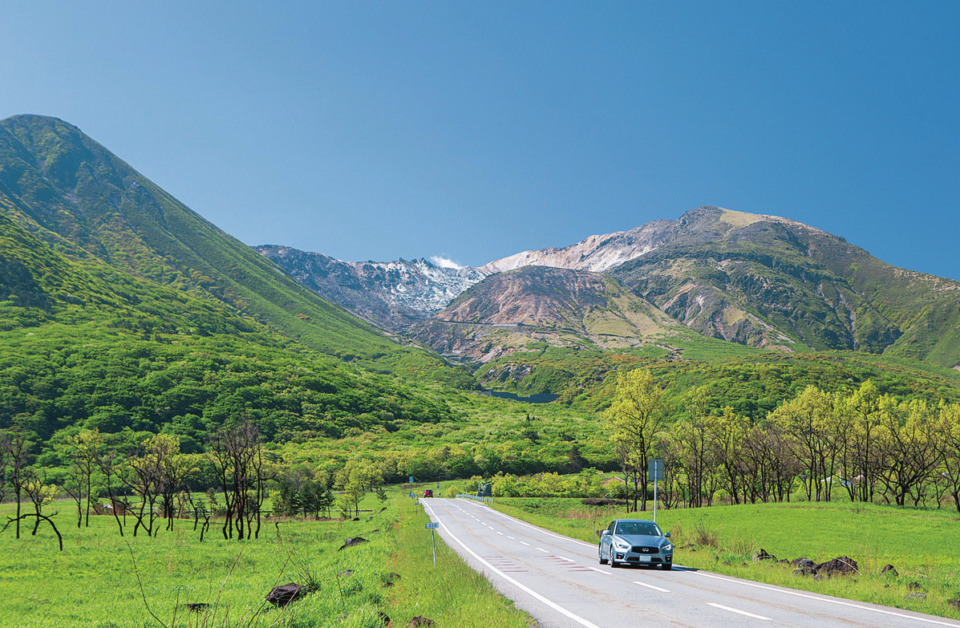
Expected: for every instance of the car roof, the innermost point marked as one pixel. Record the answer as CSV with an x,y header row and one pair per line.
x,y
634,520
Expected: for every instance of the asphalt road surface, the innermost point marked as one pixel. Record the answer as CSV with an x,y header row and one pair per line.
x,y
560,582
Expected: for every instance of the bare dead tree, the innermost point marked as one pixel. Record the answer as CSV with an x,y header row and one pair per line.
x,y
112,470
16,448
37,490
237,459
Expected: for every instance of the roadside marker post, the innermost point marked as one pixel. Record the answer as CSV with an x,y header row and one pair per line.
x,y
432,526
655,473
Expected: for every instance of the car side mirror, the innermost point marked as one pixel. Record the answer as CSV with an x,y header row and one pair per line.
x,y
605,533
667,535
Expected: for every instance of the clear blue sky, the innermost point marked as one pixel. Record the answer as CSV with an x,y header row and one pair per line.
x,y
474,130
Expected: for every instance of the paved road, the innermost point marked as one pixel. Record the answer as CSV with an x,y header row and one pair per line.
x,y
559,581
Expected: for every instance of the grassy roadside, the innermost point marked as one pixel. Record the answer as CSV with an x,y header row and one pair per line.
x,y
93,581
921,544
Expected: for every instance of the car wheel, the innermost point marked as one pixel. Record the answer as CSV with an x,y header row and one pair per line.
x,y
603,561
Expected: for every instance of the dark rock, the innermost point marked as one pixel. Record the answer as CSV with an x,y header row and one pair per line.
x,y
891,570
763,555
285,593
356,519
420,620
803,566
382,509
913,586
385,619
840,566
356,540
196,607
954,603
345,573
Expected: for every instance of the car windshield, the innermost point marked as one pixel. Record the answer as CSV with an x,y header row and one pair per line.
x,y
638,528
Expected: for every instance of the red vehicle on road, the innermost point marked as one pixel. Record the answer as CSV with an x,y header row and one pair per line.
x,y
428,493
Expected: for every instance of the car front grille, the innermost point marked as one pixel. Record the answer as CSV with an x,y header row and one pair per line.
x,y
645,549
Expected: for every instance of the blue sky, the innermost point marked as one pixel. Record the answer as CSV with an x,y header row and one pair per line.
x,y
476,130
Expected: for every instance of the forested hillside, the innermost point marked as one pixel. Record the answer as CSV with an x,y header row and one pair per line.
x,y
123,311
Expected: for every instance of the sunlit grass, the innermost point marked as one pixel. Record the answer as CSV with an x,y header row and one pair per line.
x,y
93,582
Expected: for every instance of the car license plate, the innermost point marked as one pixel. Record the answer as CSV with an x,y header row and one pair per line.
x,y
643,559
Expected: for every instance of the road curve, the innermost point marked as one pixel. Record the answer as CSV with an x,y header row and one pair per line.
x,y
560,582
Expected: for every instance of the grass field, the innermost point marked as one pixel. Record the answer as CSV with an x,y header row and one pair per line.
x,y
93,582
922,544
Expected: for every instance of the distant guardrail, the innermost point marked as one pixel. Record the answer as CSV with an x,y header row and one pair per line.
x,y
486,500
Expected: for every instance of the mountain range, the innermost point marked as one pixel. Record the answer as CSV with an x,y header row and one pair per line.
x,y
756,280
123,310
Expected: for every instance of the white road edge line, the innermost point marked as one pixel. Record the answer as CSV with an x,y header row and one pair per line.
x,y
826,599
738,611
650,586
550,603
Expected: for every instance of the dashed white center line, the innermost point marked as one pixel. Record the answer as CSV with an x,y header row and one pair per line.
x,y
511,538
525,543
738,611
499,532
543,550
650,586
603,571
569,560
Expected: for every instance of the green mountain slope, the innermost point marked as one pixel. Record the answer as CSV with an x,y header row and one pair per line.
x,y
76,196
122,310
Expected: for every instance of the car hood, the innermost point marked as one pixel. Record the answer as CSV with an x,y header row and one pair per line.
x,y
642,539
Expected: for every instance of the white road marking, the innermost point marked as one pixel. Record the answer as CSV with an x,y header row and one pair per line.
x,y
650,586
569,560
500,533
734,610
525,543
603,571
825,599
543,550
512,538
524,523
550,603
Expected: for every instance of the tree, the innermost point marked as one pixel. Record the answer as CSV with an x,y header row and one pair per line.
x,y
236,456
807,420
84,453
633,420
17,449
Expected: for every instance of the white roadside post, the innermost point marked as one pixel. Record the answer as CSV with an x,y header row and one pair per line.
x,y
655,474
432,526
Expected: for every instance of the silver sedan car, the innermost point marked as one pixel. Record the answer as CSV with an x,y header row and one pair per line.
x,y
635,542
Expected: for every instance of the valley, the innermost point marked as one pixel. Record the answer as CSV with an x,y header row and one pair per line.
x,y
136,335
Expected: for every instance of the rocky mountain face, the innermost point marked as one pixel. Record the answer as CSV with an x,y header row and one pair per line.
x,y
394,295
755,280
536,305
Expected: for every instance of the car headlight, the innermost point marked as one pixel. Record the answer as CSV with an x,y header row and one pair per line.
x,y
620,545
666,548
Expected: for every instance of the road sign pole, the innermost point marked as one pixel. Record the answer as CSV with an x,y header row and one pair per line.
x,y
654,491
654,474
432,526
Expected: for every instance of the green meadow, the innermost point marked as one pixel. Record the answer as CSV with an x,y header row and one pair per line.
x,y
103,580
922,544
